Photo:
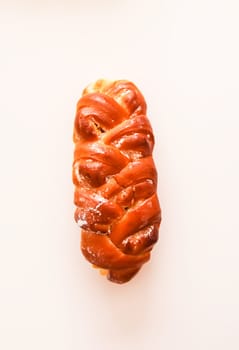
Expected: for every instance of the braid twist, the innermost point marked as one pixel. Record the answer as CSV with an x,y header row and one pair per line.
x,y
115,179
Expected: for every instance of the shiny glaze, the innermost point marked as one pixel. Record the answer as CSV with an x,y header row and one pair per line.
x,y
115,179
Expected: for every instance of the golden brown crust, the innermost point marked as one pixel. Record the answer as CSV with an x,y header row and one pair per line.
x,y
115,178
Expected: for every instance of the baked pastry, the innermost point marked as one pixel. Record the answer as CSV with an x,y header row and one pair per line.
x,y
115,179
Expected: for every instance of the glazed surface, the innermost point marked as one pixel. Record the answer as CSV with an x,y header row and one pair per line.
x,y
115,179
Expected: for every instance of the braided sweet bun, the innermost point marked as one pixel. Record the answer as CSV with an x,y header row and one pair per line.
x,y
115,179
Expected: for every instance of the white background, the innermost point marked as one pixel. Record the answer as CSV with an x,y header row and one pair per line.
x,y
184,57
